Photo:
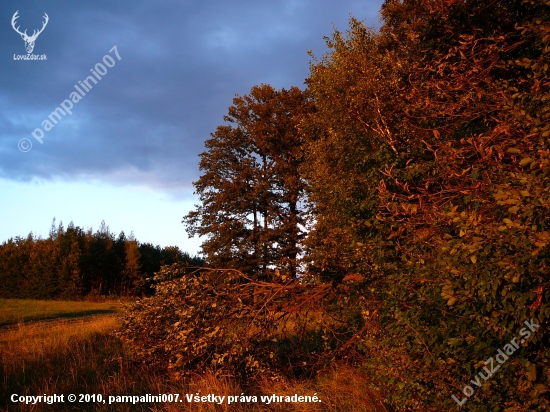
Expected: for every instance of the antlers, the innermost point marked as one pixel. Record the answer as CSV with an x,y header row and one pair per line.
x,y
15,17
35,33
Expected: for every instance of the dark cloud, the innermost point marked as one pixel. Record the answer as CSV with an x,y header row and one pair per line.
x,y
182,62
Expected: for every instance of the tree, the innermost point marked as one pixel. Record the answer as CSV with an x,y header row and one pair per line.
x,y
251,187
132,276
355,132
70,250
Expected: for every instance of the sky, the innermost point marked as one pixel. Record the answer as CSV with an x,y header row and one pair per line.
x,y
124,147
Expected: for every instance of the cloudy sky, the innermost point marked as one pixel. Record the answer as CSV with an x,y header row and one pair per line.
x,y
128,152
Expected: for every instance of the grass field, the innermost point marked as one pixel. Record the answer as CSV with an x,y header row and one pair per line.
x,y
14,311
84,357
63,358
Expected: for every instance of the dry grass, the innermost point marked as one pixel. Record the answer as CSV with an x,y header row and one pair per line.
x,y
67,357
83,356
343,389
37,341
14,311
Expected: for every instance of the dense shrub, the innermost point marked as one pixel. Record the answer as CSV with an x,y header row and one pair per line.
x,y
219,320
430,170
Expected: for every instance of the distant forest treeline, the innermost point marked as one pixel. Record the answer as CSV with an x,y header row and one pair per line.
x,y
74,263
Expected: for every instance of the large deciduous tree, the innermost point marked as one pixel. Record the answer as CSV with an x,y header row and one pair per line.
x,y
251,189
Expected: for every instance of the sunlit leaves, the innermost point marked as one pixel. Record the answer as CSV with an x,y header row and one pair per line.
x,y
222,321
435,132
251,189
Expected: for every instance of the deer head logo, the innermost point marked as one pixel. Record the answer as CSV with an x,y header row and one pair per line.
x,y
29,40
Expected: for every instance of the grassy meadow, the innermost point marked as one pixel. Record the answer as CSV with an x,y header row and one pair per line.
x,y
83,356
14,311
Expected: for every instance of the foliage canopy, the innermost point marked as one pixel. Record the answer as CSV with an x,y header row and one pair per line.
x,y
251,189
426,166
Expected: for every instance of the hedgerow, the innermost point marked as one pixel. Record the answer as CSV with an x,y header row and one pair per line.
x,y
221,321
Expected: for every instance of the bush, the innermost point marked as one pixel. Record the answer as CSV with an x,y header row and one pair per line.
x,y
224,322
